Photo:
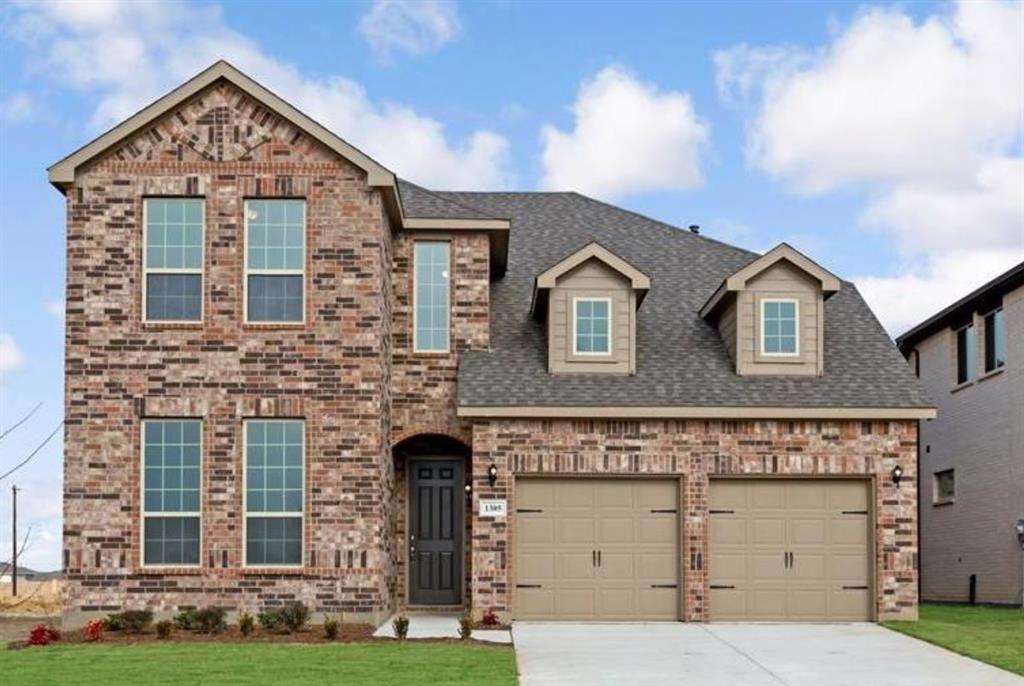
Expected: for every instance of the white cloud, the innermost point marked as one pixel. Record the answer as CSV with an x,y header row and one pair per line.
x,y
415,27
926,118
56,309
17,108
86,46
628,137
11,357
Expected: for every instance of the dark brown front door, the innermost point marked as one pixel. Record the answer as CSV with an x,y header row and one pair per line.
x,y
435,532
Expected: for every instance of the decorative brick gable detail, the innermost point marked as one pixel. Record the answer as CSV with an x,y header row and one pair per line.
x,y
697,451
333,371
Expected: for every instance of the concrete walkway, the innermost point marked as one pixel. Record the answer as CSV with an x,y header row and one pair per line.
x,y
441,626
739,655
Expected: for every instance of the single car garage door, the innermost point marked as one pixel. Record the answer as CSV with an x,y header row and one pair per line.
x,y
790,550
596,549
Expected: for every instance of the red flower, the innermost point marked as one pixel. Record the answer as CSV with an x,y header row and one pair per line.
x,y
94,629
41,635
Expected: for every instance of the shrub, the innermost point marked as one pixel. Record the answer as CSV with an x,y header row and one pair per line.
x,y
164,629
94,630
131,621
41,635
466,626
208,620
289,618
401,627
330,628
246,623
490,618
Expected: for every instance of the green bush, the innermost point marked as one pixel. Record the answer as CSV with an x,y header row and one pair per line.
x,y
130,621
401,627
208,620
246,623
466,626
164,629
289,618
331,628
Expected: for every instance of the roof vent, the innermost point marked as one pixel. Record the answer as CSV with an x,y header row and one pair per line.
x,y
695,228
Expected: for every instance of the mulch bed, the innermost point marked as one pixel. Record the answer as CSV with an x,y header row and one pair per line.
x,y
312,635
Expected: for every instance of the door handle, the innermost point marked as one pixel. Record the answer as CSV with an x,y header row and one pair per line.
x,y
593,558
598,558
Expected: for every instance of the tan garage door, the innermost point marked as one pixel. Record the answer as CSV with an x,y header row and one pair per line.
x,y
596,549
786,550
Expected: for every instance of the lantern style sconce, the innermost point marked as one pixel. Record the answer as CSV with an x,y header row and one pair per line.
x,y
492,474
469,489
897,475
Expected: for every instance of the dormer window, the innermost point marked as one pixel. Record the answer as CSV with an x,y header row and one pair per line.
x,y
779,332
593,324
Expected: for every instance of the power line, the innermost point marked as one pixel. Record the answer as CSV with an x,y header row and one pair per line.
x,y
32,454
21,421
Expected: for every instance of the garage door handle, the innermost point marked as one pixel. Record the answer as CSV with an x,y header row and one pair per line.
x,y
855,588
664,585
722,511
527,511
598,558
862,512
714,586
529,586
664,511
593,558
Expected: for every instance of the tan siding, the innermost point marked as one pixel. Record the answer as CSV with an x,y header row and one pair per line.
x,y
979,432
781,280
727,329
592,279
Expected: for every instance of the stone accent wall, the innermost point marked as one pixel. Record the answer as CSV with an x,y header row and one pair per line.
x,y
333,370
696,451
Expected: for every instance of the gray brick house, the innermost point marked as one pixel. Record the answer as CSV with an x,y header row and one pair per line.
x,y
292,375
970,357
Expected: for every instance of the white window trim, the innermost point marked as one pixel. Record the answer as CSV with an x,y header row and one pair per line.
x,y
245,500
796,326
415,311
611,345
936,498
147,270
143,515
968,378
984,343
274,272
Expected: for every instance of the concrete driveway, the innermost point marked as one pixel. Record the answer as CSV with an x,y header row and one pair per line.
x,y
739,655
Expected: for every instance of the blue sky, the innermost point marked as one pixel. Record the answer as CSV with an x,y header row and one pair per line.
x,y
885,140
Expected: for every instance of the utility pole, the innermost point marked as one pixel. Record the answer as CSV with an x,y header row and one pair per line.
x,y
14,540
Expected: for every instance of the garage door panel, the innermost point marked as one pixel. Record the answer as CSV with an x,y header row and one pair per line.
x,y
639,548
794,550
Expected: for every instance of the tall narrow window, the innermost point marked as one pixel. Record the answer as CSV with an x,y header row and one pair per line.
x,y
171,458
995,340
966,354
432,275
173,260
275,260
274,487
592,318
779,327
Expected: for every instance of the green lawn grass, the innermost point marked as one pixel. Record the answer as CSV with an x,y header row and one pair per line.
x,y
991,634
380,664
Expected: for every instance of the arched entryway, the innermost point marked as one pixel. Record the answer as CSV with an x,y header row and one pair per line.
x,y
431,473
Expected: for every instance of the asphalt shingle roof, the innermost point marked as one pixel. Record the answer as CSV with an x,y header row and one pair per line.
x,y
419,202
681,360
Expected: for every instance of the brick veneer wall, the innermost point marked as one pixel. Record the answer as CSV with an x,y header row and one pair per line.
x,y
697,450
333,370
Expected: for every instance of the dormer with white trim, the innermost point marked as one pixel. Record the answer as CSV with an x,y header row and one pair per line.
x,y
588,301
770,314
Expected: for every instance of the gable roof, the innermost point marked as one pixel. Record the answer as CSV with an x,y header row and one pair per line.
x,y
682,363
979,299
594,251
737,281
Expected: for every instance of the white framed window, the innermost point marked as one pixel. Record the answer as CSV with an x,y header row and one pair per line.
x,y
432,276
171,492
944,487
966,354
780,327
274,492
173,240
995,340
275,261
592,326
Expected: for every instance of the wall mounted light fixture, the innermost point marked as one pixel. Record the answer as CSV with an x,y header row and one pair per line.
x,y
469,489
897,475
492,474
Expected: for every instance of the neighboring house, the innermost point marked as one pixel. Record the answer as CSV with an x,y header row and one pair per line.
x,y
970,357
291,375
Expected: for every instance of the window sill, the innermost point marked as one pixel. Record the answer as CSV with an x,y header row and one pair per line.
x,y
267,570
989,374
273,326
158,325
170,570
962,386
943,503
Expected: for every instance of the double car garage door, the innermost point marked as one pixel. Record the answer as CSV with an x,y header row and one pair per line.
x,y
608,550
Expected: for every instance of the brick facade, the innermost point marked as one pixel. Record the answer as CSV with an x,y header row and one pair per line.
x,y
696,451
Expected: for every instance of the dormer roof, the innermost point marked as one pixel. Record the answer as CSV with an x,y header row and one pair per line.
x,y
547,279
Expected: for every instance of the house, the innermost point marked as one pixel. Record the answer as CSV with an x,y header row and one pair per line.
x,y
970,357
292,375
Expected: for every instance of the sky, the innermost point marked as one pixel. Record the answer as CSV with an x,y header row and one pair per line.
x,y
884,140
